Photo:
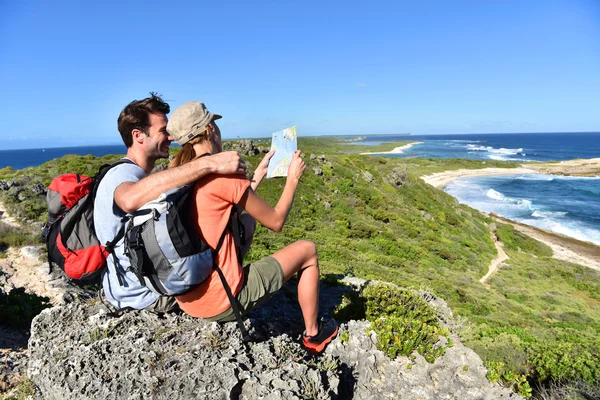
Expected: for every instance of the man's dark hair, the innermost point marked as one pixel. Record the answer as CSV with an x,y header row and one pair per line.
x,y
136,115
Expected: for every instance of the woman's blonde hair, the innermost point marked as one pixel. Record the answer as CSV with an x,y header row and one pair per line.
x,y
187,152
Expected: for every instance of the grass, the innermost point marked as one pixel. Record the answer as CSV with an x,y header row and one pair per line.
x,y
537,311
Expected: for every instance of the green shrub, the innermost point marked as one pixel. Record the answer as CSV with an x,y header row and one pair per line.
x,y
402,320
498,373
516,240
18,308
565,362
12,236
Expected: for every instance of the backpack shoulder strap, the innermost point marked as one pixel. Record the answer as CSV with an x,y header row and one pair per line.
x,y
110,246
232,300
102,172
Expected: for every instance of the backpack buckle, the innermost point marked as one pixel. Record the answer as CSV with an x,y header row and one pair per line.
x,y
134,239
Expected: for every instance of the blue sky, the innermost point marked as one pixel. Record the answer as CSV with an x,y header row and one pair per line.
x,y
67,68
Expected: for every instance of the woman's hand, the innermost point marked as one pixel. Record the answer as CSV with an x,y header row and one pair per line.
x,y
261,170
296,168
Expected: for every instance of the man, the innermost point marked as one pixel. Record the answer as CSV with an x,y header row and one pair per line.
x,y
126,187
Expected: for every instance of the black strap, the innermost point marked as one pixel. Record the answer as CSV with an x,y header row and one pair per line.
x,y
110,246
235,224
139,265
46,237
234,303
103,170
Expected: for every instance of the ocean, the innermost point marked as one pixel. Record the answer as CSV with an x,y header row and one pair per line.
x,y
19,159
523,147
566,205
561,204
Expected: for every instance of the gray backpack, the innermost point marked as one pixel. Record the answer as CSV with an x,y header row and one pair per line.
x,y
168,255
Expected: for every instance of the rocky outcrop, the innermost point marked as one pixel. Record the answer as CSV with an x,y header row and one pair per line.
x,y
13,358
245,147
398,177
82,351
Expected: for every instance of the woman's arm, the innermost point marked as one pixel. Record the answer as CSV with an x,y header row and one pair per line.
x,y
261,170
274,218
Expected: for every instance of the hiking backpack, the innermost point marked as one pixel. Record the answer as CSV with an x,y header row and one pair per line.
x,y
165,251
167,254
69,234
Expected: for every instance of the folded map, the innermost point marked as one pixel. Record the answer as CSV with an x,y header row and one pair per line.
x,y
284,143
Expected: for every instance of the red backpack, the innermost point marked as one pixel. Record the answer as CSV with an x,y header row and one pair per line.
x,y
69,233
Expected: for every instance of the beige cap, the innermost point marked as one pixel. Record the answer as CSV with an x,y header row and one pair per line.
x,y
189,120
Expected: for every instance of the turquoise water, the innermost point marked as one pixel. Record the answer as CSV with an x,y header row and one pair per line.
x,y
562,204
565,205
501,146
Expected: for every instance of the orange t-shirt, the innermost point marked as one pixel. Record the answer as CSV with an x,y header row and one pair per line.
x,y
214,196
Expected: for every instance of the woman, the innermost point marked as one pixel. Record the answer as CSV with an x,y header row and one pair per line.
x,y
194,128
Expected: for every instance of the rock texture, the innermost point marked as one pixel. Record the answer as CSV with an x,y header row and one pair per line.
x,y
244,147
13,358
79,350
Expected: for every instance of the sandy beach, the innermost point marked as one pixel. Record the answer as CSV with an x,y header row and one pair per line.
x,y
397,150
564,248
588,167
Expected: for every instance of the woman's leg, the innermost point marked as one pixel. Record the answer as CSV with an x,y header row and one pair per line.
x,y
301,257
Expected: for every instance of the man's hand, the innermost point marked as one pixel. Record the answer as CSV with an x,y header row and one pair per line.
x,y
261,170
296,168
228,162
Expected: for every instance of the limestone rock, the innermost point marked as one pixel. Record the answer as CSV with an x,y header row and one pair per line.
x,y
37,188
5,185
398,177
81,351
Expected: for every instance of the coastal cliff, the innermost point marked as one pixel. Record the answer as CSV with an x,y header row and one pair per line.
x,y
81,351
534,320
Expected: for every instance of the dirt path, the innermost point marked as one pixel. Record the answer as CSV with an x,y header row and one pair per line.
x,y
563,247
23,268
496,262
7,219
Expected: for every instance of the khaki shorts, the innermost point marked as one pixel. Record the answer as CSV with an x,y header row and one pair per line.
x,y
261,280
164,304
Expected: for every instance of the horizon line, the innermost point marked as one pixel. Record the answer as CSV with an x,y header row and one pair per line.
x,y
315,136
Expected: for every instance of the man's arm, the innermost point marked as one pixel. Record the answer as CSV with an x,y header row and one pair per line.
x,y
130,196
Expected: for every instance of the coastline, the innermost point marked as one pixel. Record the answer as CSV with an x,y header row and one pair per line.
x,y
397,150
564,247
578,167
441,179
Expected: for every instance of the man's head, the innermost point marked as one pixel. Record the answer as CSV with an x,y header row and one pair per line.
x,y
137,116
